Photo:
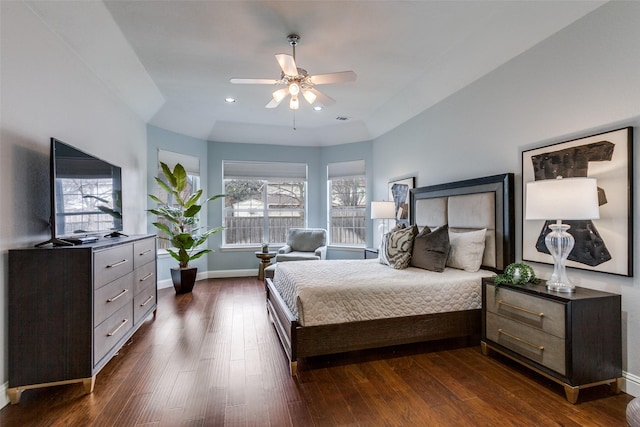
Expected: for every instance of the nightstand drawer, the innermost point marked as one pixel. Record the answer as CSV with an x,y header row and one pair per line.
x,y
542,314
546,349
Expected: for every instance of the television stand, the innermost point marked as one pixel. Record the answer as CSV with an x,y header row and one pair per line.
x,y
116,234
55,242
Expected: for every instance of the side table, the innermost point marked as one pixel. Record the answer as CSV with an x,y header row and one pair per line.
x,y
370,253
265,261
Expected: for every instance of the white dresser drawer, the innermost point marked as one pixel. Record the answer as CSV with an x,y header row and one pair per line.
x,y
543,314
109,264
144,251
541,347
109,332
111,297
143,303
144,276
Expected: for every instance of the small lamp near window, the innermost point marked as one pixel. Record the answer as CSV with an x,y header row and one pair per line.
x,y
558,199
383,210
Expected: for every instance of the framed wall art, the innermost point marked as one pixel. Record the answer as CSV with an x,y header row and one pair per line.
x,y
399,194
607,157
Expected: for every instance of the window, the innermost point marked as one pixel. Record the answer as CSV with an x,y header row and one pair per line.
x,y
348,199
263,200
192,166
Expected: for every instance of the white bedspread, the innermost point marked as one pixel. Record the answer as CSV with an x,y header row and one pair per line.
x,y
337,291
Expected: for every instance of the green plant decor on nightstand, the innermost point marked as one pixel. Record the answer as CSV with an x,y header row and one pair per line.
x,y
517,274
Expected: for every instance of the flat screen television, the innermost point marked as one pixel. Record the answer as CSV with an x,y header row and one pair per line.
x,y
86,196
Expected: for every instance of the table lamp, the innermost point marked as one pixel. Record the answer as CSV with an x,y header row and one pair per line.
x,y
561,199
383,210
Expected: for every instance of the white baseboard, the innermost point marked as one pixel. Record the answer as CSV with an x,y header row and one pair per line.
x,y
4,398
631,384
218,274
232,273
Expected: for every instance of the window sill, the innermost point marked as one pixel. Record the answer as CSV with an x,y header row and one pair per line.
x,y
347,247
247,248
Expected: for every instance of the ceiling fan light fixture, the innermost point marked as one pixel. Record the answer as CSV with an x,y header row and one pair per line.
x,y
294,89
294,104
309,96
280,94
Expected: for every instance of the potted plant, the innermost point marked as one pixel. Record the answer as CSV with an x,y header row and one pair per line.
x,y
180,224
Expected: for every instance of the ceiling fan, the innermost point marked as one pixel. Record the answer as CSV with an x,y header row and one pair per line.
x,y
298,82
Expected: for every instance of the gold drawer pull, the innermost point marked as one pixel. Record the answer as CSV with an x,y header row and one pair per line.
x,y
112,333
144,253
520,308
124,291
115,264
147,301
537,347
146,277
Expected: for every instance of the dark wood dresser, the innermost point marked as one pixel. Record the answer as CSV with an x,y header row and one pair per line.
x,y
573,339
72,308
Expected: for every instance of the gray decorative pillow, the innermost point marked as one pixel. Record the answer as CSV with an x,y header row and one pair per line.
x,y
425,230
430,250
399,245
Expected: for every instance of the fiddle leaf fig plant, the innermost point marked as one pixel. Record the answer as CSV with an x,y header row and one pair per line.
x,y
181,217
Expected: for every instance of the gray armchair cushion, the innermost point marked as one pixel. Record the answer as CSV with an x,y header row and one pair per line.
x,y
304,244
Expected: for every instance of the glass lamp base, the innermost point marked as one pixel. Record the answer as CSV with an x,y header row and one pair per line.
x,y
559,243
560,287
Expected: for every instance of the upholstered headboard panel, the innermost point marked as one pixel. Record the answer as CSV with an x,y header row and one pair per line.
x,y
471,205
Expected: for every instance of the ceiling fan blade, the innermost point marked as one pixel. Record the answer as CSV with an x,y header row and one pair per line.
x,y
322,98
255,81
273,103
287,63
340,77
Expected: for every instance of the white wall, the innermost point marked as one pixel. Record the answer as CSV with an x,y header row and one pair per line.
x,y
583,80
46,91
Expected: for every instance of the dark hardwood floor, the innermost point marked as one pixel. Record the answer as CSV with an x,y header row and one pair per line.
x,y
211,358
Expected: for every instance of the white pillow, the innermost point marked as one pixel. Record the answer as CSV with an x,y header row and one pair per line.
x,y
466,250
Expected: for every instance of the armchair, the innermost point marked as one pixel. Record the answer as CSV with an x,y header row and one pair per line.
x,y
304,244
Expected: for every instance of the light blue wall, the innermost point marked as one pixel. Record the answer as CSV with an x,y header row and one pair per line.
x,y
226,261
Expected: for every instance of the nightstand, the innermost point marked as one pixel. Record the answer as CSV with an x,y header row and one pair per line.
x,y
370,253
572,339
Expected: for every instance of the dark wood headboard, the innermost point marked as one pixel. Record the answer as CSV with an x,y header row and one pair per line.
x,y
501,189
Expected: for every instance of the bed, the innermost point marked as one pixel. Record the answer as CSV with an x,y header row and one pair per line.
x,y
481,203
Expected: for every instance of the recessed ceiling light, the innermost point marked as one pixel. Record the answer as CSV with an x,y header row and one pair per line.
x,y
318,108
230,100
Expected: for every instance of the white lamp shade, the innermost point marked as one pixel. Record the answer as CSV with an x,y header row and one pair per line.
x,y
280,94
293,103
562,199
309,96
383,210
